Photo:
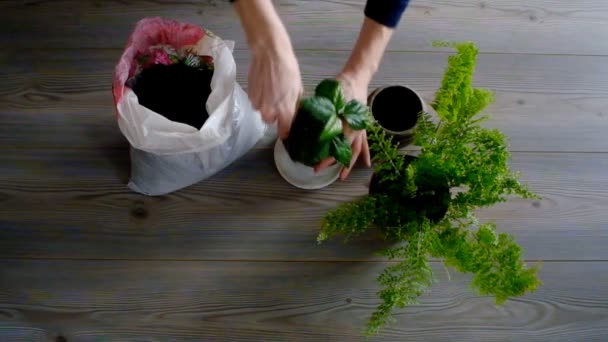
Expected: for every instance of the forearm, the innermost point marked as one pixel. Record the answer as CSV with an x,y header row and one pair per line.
x,y
263,27
381,18
369,49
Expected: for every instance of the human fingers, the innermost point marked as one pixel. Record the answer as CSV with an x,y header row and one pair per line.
x,y
324,164
284,124
356,150
350,136
367,160
256,96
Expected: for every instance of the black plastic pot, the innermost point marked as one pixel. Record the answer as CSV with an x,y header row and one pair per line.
x,y
431,201
397,109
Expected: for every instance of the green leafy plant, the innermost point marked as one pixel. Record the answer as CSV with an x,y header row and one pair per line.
x,y
426,203
316,133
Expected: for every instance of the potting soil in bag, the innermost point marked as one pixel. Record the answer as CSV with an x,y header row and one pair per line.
x,y
180,107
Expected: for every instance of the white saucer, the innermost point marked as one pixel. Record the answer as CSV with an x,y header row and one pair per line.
x,y
300,175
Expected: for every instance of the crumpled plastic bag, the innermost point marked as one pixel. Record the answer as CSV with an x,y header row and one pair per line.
x,y
165,155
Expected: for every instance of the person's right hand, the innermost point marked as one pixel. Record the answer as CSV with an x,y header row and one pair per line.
x,y
275,86
354,85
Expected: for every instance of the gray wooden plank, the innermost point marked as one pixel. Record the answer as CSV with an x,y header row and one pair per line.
x,y
74,204
244,301
23,333
511,26
62,99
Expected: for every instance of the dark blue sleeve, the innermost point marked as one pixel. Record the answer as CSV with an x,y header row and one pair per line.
x,y
386,12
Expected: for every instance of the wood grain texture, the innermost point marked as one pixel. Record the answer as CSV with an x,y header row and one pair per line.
x,y
241,301
23,333
234,258
507,26
74,204
62,99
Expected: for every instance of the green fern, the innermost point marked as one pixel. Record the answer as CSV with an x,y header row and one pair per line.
x,y
460,154
404,282
350,219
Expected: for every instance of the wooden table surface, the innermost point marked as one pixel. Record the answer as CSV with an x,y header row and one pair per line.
x,y
234,258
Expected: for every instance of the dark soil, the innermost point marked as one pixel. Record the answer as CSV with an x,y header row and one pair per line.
x,y
177,92
396,108
302,143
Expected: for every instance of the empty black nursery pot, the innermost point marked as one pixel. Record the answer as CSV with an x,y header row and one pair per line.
x,y
396,109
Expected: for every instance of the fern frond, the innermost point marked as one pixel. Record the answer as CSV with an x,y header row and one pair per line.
x,y
349,219
385,155
404,282
493,258
456,86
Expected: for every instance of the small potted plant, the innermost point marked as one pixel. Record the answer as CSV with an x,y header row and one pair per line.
x,y
316,134
425,204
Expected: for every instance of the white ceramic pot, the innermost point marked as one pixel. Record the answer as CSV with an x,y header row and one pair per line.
x,y
300,175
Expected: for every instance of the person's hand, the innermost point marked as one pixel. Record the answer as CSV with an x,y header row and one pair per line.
x,y
354,88
275,86
275,83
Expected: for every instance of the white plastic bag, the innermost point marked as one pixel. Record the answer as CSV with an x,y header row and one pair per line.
x,y
165,155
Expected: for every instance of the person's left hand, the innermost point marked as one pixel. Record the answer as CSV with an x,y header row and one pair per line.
x,y
353,88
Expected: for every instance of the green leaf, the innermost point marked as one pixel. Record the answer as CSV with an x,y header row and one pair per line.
x,y
356,115
319,108
192,61
313,127
331,90
321,151
310,153
331,129
340,149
